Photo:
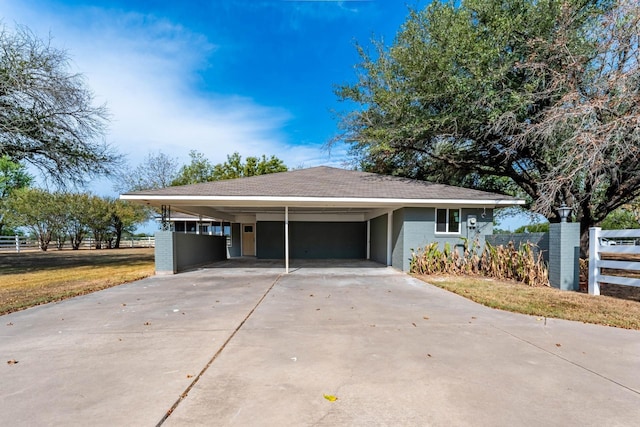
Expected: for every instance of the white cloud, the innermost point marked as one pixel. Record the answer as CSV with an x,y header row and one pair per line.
x,y
145,69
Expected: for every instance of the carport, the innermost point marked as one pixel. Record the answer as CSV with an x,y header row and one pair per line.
x,y
327,213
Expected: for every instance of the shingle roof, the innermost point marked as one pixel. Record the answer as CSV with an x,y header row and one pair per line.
x,y
327,182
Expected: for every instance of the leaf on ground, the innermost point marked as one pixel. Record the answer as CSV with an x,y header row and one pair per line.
x,y
414,325
558,345
425,317
330,397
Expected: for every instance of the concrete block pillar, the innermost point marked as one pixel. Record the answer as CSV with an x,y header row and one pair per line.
x,y
564,254
165,255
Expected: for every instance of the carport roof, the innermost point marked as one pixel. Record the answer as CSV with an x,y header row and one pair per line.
x,y
323,183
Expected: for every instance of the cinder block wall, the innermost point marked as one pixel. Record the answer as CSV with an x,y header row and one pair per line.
x,y
164,253
177,252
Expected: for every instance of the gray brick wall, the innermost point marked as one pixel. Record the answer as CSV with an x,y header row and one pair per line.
x,y
564,252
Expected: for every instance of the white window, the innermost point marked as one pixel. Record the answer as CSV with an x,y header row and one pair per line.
x,y
447,220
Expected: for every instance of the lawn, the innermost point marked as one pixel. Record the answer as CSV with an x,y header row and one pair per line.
x,y
545,301
32,278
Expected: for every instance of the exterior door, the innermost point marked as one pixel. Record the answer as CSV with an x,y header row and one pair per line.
x,y
248,239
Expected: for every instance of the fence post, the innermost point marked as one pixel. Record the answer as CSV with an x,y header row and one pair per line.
x,y
17,243
594,259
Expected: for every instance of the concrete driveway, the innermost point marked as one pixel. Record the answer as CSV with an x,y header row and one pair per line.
x,y
246,345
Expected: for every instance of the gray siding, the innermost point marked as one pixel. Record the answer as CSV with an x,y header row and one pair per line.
x,y
414,228
309,240
234,250
397,240
378,242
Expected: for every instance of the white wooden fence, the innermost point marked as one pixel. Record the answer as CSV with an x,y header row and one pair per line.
x,y
20,243
614,242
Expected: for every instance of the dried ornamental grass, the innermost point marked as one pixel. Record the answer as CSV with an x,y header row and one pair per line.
x,y
500,262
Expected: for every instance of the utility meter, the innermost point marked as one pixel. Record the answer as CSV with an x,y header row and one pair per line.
x,y
472,221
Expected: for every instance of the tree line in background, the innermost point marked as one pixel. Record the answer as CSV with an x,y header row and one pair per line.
x,y
159,170
63,216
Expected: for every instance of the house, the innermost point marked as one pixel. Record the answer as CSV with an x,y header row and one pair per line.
x,y
324,212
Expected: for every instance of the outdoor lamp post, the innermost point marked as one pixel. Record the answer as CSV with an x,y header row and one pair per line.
x,y
564,212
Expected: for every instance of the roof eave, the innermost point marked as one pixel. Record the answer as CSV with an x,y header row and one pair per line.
x,y
315,201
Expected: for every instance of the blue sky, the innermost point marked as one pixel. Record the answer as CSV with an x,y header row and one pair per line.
x,y
216,76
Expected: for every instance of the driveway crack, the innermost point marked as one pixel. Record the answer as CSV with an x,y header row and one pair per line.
x,y
569,361
185,393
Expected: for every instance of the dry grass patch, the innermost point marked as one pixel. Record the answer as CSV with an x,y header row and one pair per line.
x,y
542,301
34,278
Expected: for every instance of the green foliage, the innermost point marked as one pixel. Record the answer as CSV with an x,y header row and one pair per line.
x,y
125,216
47,116
533,98
499,262
252,166
62,215
160,171
540,227
199,170
36,210
13,176
620,219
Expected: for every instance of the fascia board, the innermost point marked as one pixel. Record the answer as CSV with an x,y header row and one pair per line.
x,y
314,201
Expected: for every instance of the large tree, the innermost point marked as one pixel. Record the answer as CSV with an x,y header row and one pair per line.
x,y
537,98
47,112
158,170
125,216
38,211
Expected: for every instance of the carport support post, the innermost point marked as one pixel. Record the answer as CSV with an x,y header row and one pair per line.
x,y
286,239
389,237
